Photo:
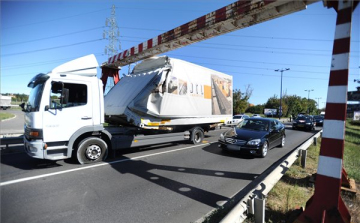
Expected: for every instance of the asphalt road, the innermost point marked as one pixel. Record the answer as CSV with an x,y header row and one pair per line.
x,y
14,125
172,183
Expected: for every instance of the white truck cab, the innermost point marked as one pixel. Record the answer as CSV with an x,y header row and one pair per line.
x,y
64,105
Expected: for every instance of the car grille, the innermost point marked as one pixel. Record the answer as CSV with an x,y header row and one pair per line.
x,y
235,141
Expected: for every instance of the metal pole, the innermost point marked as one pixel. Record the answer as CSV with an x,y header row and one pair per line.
x,y
280,112
318,103
280,107
308,99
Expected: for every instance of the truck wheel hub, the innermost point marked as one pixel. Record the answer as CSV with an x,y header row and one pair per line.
x,y
93,152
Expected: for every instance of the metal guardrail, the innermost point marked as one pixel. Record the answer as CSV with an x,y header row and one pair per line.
x,y
254,201
11,141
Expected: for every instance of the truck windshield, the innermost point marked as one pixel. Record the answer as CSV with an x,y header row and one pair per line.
x,y
37,85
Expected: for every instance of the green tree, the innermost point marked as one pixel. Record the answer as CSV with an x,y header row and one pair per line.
x,y
257,109
294,105
312,106
273,102
241,99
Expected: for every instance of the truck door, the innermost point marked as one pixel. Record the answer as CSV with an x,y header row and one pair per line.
x,y
70,108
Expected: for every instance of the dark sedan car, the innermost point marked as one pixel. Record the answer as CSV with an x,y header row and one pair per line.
x,y
306,122
319,120
254,135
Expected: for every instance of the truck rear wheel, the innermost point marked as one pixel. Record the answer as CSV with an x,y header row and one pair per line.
x,y
197,135
91,150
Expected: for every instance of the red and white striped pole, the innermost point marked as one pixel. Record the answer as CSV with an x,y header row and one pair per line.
x,y
326,205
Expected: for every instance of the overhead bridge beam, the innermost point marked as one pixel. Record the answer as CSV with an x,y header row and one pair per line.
x,y
238,15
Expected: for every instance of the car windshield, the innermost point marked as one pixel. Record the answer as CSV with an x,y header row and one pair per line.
x,y
237,117
318,117
303,118
257,125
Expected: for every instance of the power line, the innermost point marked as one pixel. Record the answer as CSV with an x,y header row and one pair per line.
x,y
52,20
42,63
261,47
146,9
248,61
270,69
228,72
248,50
224,44
211,58
269,75
51,48
51,37
247,36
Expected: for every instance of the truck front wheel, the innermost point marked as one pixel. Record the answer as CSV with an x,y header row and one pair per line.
x,y
91,150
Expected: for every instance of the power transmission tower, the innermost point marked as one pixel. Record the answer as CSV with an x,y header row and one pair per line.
x,y
114,45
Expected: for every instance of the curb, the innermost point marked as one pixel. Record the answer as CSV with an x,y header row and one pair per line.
x,y
8,119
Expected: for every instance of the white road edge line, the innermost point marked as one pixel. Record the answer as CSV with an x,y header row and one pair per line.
x,y
97,165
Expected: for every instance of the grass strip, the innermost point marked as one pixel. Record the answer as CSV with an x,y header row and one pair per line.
x,y
5,115
294,189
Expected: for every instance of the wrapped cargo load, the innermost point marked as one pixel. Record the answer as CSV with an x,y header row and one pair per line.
x,y
168,93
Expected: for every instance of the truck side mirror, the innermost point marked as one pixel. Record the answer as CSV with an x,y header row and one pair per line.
x,y
22,105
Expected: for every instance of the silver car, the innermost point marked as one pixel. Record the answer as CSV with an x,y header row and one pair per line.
x,y
238,118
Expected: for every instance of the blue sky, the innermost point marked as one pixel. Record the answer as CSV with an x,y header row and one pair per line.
x,y
37,36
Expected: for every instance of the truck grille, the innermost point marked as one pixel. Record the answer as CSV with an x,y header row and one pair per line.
x,y
27,133
235,141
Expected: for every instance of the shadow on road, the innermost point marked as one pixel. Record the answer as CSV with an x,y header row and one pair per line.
x,y
213,148
24,162
146,171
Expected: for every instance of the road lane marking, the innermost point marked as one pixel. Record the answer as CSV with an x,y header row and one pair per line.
x,y
98,165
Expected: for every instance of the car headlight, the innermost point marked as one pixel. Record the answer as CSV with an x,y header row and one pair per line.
x,y
222,136
254,142
294,122
308,123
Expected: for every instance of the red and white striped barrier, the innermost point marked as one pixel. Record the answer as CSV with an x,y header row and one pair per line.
x,y
326,204
237,15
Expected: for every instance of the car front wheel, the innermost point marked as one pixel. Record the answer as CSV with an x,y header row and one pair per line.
x,y
264,149
282,144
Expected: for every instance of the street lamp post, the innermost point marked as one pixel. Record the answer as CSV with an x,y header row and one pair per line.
x,y
308,99
318,103
280,107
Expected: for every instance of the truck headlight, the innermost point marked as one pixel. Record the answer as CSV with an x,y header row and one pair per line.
x,y
31,133
254,142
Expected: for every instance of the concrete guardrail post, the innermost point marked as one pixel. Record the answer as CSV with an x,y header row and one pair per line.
x,y
259,204
303,158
